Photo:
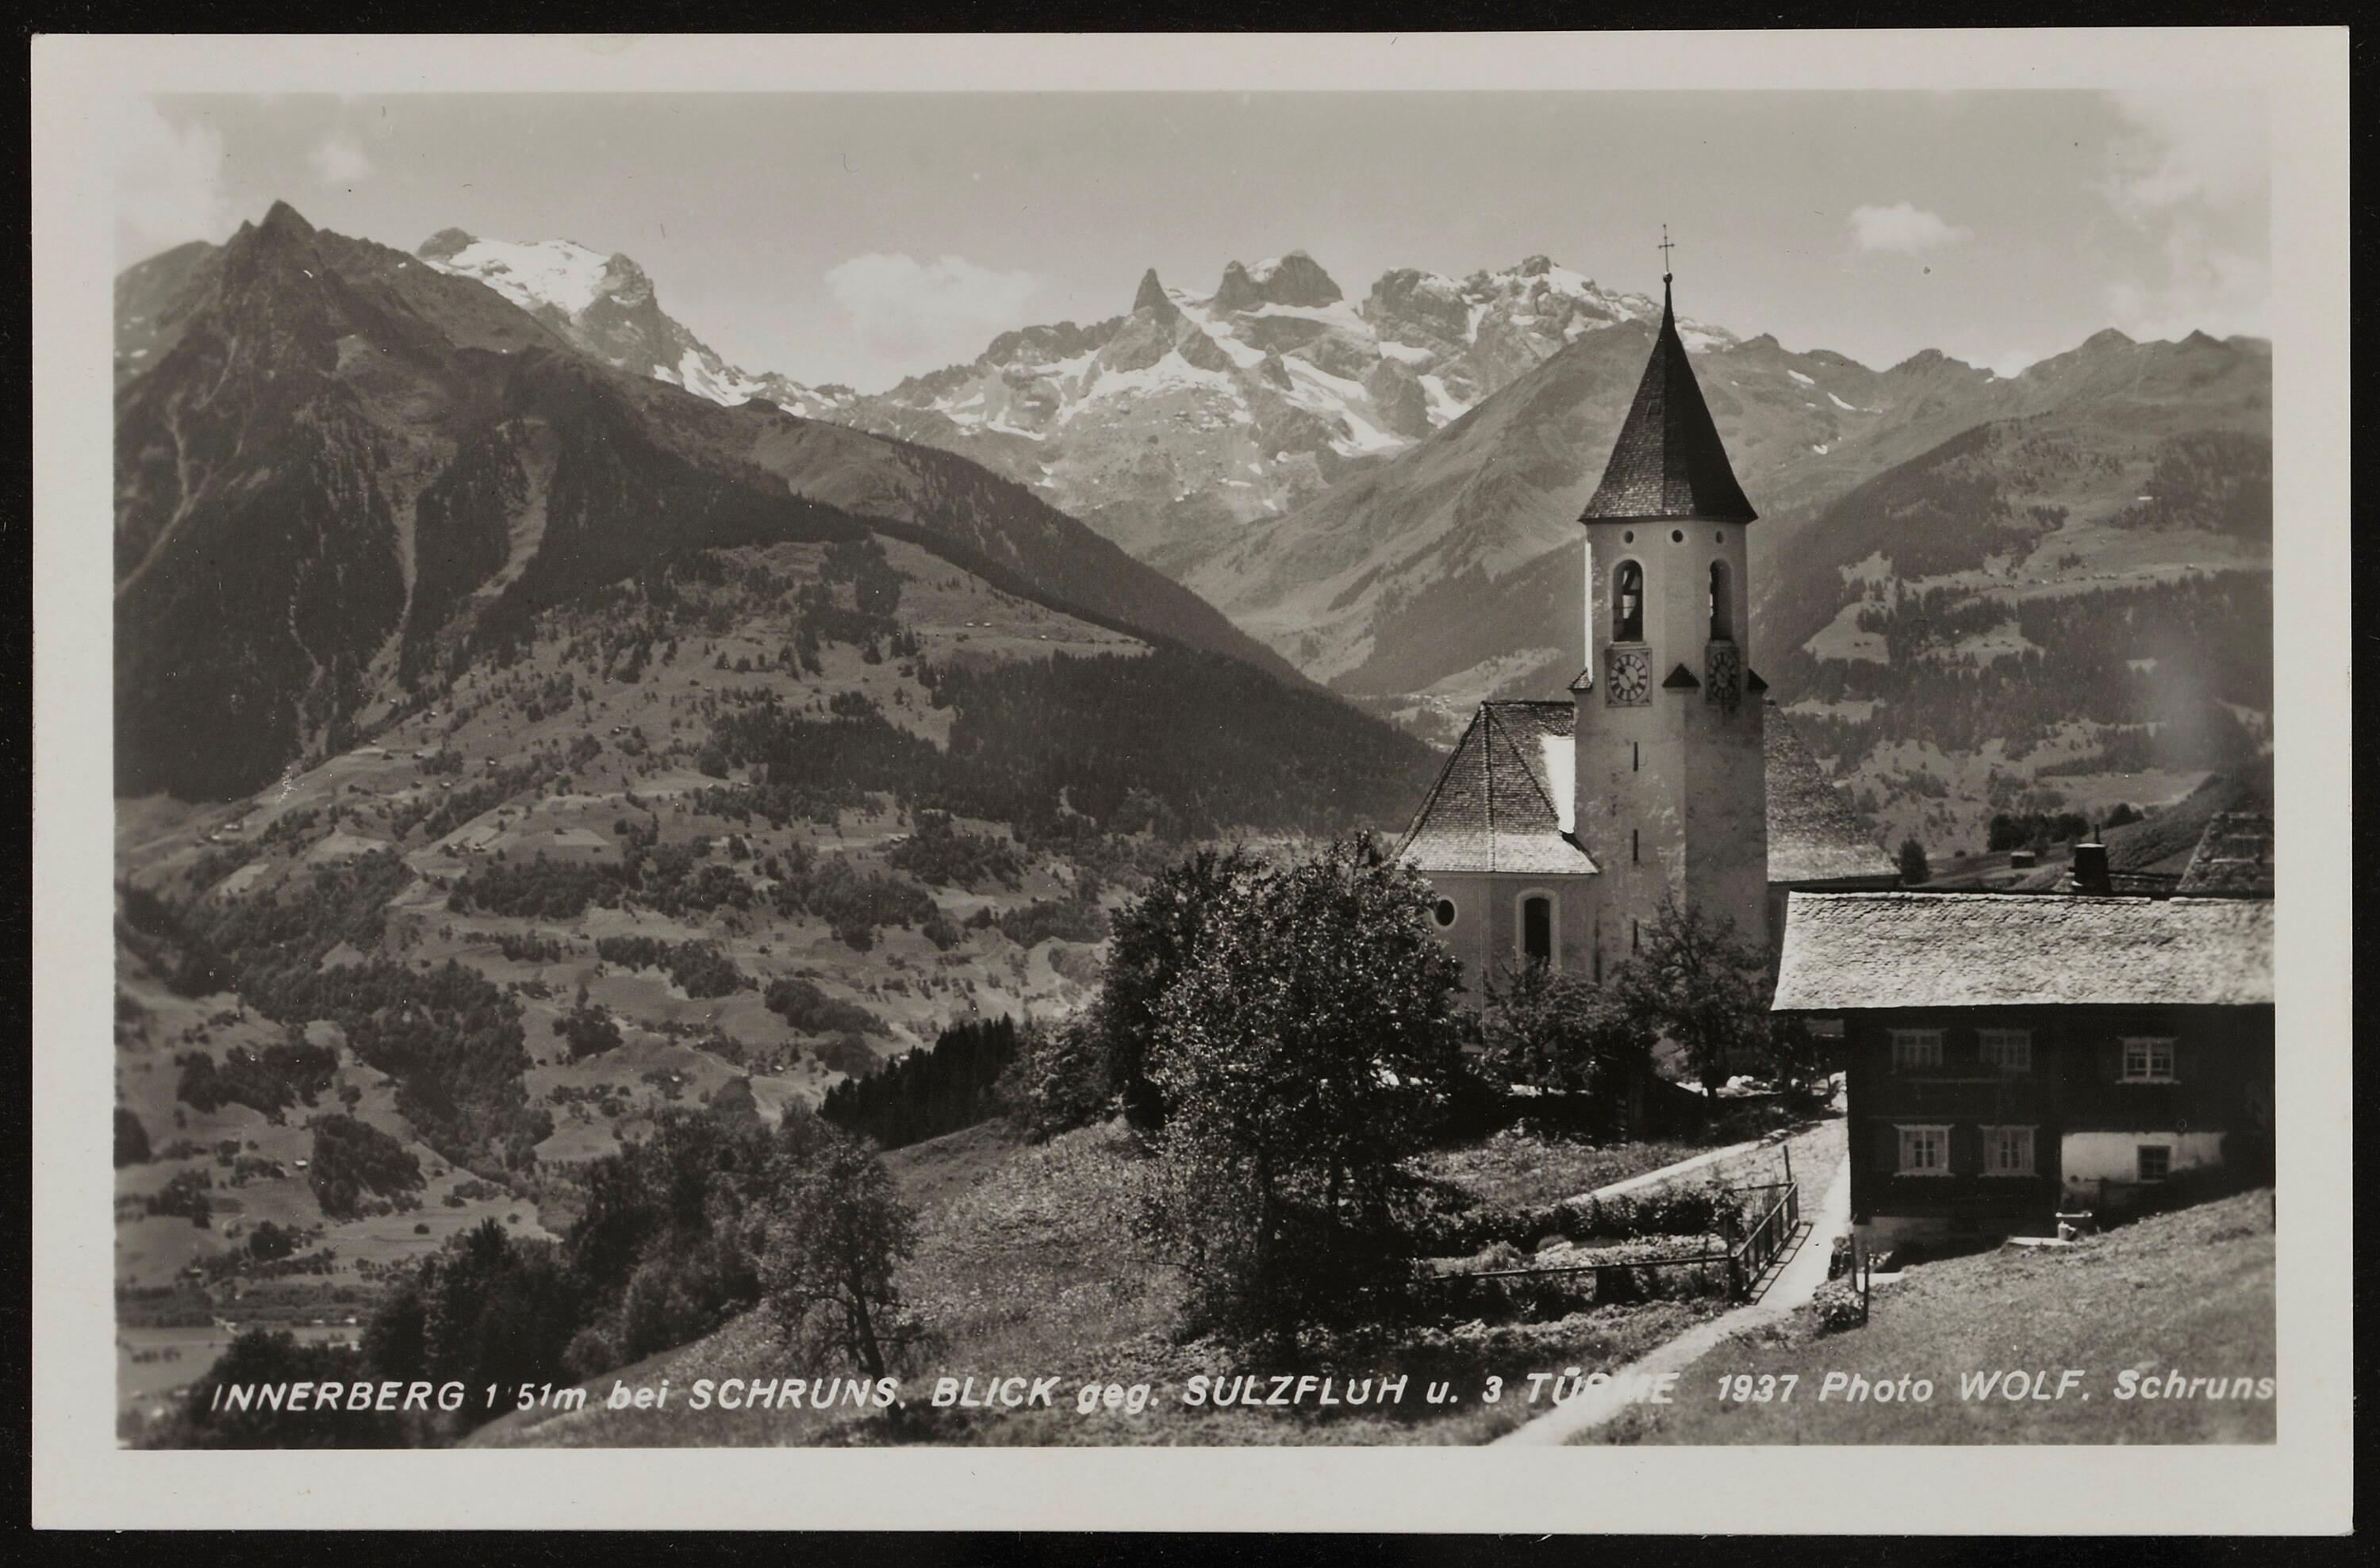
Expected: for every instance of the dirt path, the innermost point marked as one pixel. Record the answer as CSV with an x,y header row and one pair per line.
x,y
1803,1272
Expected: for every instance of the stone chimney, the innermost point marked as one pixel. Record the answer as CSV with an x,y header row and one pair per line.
x,y
2088,871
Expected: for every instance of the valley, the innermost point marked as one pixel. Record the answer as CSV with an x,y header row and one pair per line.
x,y
530,723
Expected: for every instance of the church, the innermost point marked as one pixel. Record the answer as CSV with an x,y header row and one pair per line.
x,y
1559,829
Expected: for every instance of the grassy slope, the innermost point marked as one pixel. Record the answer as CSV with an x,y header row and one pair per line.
x,y
1024,1264
2191,1292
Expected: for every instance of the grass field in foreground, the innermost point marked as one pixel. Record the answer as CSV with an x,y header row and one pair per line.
x,y
2189,1292
1026,1265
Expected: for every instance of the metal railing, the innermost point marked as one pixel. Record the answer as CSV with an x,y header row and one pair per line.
x,y
1767,1238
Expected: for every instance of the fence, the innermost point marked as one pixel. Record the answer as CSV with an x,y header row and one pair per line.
x,y
1768,1238
1745,1258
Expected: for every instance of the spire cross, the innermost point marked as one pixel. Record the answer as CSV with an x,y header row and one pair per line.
x,y
1665,247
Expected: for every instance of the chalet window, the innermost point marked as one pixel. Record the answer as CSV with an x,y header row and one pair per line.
x,y
2007,1151
1925,1150
1628,603
2148,1060
2156,1160
1537,929
1913,1050
2007,1052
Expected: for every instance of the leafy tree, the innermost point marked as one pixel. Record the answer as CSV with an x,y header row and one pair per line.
x,y
1058,1079
2124,814
352,1158
131,1139
258,1356
1155,941
1913,869
494,1311
1799,1057
1558,1030
1306,1051
1699,982
589,1029
841,1233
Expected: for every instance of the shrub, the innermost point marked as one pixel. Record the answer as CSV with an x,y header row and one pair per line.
x,y
1836,1308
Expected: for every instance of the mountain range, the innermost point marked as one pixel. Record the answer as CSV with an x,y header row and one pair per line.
x,y
342,473
1168,427
529,723
1380,491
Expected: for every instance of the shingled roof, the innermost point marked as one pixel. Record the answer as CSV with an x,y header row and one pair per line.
x,y
1503,801
2234,858
1853,951
1815,832
1669,461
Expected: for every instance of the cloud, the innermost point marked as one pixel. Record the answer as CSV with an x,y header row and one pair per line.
x,y
2188,148
169,182
2205,288
1901,228
339,159
920,316
2192,173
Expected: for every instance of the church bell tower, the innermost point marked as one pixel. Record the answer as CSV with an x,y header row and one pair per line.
x,y
1669,772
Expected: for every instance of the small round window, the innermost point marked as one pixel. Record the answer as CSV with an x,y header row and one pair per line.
x,y
1629,537
1677,536
1443,911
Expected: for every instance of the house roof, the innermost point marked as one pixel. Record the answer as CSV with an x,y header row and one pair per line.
x,y
1503,803
1669,461
1503,800
1854,950
2234,858
1815,832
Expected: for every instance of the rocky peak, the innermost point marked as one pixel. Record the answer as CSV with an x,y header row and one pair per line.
x,y
1297,279
445,244
1237,291
283,220
1534,266
1152,295
625,283
1294,279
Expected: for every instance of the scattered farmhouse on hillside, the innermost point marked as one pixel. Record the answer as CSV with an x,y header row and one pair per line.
x,y
2012,1056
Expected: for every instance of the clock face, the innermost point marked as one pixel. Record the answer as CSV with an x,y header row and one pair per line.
x,y
1723,674
1632,677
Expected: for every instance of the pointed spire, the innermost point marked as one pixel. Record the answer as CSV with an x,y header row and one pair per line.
x,y
1152,294
1669,461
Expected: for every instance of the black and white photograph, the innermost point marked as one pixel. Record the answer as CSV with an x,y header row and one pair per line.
x,y
932,746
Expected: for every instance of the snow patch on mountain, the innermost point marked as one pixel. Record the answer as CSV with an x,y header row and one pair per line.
x,y
607,306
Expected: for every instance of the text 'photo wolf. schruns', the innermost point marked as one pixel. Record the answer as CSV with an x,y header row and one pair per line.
x,y
818,770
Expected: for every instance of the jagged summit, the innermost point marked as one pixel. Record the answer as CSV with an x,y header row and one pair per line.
x,y
1152,294
1295,279
283,219
1669,461
444,244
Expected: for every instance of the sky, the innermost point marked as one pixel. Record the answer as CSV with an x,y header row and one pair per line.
x,y
859,239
